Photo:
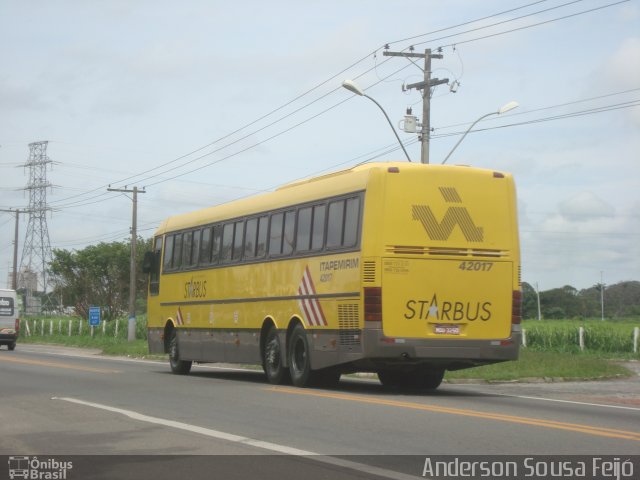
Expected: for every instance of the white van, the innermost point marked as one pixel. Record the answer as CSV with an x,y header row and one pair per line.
x,y
9,318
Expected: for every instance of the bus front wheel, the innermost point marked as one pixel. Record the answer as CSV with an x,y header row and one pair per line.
x,y
180,367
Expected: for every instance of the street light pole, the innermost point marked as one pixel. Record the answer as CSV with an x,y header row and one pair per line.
x,y
505,108
352,87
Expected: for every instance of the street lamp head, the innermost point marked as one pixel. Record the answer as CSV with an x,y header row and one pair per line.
x,y
509,106
505,108
352,87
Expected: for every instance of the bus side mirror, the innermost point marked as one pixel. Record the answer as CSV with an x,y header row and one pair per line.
x,y
149,262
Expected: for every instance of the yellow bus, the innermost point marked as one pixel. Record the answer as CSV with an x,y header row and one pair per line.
x,y
405,270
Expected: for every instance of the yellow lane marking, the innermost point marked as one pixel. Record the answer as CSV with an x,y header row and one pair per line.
x,y
67,366
575,427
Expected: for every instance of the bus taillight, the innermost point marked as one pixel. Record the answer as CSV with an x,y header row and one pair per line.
x,y
17,326
373,304
516,309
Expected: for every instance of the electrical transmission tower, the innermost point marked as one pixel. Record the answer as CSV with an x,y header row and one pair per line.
x,y
36,252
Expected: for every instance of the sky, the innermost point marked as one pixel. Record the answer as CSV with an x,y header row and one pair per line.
x,y
203,102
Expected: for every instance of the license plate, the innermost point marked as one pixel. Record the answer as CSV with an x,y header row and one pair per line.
x,y
447,329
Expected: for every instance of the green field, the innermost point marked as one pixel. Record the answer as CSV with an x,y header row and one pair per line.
x,y
608,337
552,352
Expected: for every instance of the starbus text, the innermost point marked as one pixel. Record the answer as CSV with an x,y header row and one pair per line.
x,y
447,310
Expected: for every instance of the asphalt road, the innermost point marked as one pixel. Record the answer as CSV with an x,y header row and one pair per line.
x,y
60,402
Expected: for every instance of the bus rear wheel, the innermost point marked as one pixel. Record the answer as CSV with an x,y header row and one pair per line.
x,y
299,357
180,367
12,346
272,363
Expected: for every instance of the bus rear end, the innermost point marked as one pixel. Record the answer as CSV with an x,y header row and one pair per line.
x,y
443,291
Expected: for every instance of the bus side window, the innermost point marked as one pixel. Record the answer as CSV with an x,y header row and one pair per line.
x,y
335,224
275,234
205,246
215,244
227,243
250,238
195,248
303,236
154,276
177,252
187,244
351,220
168,253
263,230
238,240
289,232
319,214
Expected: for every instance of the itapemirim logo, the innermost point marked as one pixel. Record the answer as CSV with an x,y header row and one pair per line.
x,y
32,468
455,215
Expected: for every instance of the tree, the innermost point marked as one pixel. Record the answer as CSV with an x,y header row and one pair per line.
x,y
620,300
560,302
529,301
97,275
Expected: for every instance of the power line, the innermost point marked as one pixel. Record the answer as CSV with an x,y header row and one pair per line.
x,y
319,85
81,202
533,24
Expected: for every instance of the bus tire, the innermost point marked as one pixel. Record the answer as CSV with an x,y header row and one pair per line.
x,y
272,363
431,379
390,378
326,378
299,357
179,367
12,346
418,379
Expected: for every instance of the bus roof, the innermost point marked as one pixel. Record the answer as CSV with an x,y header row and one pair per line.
x,y
300,191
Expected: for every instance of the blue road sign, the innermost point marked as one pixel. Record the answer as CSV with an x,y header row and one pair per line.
x,y
94,316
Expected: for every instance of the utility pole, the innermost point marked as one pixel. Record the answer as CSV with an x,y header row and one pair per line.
x,y
425,86
538,297
131,334
14,275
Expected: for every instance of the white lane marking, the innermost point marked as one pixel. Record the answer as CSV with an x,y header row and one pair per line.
x,y
575,402
230,437
558,400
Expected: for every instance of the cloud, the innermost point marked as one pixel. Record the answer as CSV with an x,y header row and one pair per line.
x,y
585,206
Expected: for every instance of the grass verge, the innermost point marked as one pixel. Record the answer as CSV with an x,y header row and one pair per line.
x,y
546,365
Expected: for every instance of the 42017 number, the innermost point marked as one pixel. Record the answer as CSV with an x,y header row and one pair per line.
x,y
476,266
